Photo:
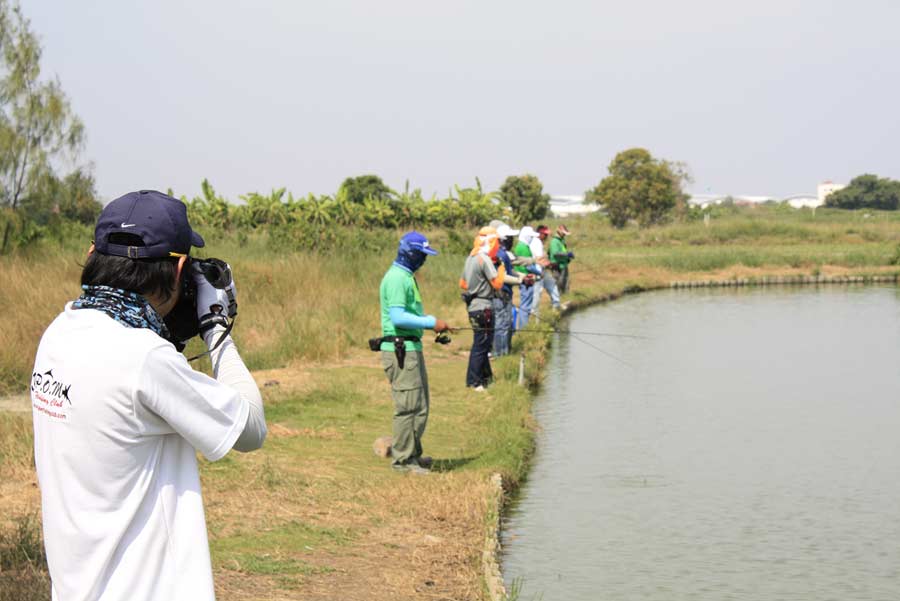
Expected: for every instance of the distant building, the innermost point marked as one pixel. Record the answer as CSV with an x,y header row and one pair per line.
x,y
705,200
799,201
564,206
568,205
826,188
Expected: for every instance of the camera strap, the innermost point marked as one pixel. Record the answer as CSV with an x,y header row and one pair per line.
x,y
219,342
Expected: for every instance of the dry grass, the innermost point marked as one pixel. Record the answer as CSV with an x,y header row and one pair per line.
x,y
18,483
23,566
32,292
300,306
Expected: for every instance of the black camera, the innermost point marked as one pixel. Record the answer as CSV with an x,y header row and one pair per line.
x,y
183,322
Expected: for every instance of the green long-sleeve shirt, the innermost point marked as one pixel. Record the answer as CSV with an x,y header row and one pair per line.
x,y
521,250
559,254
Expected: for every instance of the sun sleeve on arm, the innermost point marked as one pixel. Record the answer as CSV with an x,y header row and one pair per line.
x,y
401,318
494,275
229,369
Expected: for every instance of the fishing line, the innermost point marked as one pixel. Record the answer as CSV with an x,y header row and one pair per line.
x,y
597,348
576,336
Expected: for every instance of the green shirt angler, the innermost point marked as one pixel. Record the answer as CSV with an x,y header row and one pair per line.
x,y
558,247
521,250
399,289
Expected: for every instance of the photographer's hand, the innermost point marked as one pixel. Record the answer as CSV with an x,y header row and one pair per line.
x,y
214,305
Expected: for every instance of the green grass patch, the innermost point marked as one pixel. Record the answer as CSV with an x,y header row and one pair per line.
x,y
277,549
321,405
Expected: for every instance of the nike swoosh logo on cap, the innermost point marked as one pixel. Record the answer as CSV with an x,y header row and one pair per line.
x,y
128,224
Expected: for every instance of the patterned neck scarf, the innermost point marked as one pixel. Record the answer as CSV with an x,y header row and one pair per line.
x,y
128,308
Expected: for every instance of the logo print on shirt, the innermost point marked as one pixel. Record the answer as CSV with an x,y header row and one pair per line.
x,y
48,388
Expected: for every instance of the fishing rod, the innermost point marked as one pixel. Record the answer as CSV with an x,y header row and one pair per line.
x,y
557,331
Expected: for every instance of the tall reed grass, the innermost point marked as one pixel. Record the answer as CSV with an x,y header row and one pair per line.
x,y
23,565
292,305
320,306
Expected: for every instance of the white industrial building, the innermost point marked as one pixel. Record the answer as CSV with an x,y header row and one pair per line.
x,y
566,205
569,205
826,188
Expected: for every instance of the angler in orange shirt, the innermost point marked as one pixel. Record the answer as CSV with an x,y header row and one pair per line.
x,y
480,282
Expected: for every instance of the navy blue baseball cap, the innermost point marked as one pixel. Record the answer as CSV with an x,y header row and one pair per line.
x,y
416,241
156,218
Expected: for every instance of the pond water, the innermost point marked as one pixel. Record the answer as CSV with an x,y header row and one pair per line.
x,y
749,449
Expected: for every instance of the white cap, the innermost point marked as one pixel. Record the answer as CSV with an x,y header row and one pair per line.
x,y
526,234
504,231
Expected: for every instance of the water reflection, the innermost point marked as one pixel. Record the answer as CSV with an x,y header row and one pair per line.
x,y
750,453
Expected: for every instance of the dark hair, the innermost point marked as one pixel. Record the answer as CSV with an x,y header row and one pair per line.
x,y
144,276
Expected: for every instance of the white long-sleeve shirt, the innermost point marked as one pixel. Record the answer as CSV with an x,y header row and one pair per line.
x,y
229,369
119,416
537,251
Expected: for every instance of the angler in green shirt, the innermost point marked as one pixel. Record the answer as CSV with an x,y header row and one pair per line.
x,y
560,256
403,321
526,293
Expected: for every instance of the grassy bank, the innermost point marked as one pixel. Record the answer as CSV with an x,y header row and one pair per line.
x,y
315,514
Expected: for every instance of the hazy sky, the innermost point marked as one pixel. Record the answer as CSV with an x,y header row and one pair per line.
x,y
762,97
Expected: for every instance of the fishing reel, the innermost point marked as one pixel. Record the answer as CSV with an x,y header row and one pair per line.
x,y
183,322
443,337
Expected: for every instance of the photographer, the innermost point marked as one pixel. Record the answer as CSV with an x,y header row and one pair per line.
x,y
119,413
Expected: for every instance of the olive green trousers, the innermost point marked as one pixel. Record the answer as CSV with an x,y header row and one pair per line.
x,y
409,387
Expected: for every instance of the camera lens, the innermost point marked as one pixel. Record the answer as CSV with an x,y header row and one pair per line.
x,y
216,272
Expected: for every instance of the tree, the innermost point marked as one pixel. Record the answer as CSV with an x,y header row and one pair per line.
x,y
640,187
477,206
867,191
37,125
525,196
72,198
358,189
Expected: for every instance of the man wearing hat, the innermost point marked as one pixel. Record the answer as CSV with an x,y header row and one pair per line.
x,y
403,321
119,414
548,276
481,281
503,301
534,267
560,257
